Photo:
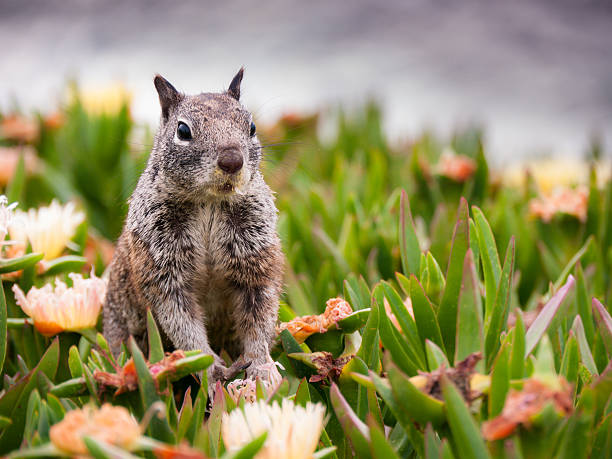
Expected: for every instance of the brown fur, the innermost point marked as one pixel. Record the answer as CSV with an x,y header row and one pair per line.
x,y
199,246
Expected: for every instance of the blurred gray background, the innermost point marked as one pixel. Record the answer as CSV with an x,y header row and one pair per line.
x,y
536,74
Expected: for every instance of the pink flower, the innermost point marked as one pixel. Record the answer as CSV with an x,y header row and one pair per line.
x,y
63,308
562,200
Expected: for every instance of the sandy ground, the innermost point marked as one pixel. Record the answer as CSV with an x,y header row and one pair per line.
x,y
536,74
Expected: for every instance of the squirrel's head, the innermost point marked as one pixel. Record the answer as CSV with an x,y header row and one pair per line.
x,y
206,144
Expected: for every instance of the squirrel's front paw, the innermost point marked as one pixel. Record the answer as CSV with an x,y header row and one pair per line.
x,y
266,372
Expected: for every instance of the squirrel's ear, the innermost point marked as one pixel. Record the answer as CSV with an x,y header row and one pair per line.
x,y
168,95
234,87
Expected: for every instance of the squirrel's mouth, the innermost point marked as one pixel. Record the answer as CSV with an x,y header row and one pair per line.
x,y
227,187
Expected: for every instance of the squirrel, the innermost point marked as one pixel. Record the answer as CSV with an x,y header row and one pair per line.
x,y
199,246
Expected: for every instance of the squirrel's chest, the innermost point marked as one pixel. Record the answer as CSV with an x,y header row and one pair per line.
x,y
211,236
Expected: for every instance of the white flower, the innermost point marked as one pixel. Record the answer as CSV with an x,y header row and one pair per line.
x,y
54,311
48,229
6,215
293,430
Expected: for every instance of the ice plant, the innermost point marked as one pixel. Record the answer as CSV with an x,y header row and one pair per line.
x,y
19,128
48,229
9,160
523,406
247,388
304,326
63,308
561,201
111,424
293,430
455,167
6,215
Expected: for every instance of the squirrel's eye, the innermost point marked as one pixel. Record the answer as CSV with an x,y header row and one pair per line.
x,y
183,131
252,133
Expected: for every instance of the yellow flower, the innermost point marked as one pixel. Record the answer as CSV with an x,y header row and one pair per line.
x,y
111,424
48,229
54,311
293,430
549,174
106,100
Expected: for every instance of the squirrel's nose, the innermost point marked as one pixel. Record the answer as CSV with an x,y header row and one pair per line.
x,y
230,160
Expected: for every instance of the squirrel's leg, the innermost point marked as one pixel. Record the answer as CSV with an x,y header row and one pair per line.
x,y
179,317
256,311
114,325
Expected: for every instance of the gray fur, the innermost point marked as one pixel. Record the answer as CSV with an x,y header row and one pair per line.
x,y
199,246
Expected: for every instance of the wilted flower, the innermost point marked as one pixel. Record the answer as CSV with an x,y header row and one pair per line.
x,y
304,326
247,388
111,424
48,229
54,311
6,215
293,430
455,167
125,378
16,127
522,406
462,375
561,201
9,159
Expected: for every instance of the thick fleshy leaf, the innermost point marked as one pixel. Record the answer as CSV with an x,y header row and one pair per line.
x,y
16,264
379,446
3,327
517,355
435,356
491,266
469,317
14,401
583,305
424,314
65,264
500,382
466,433
159,427
496,322
570,360
546,316
410,250
418,406
356,431
604,323
383,387
447,313
570,265
102,450
354,321
405,320
249,450
290,345
403,353
156,349
70,388
369,349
